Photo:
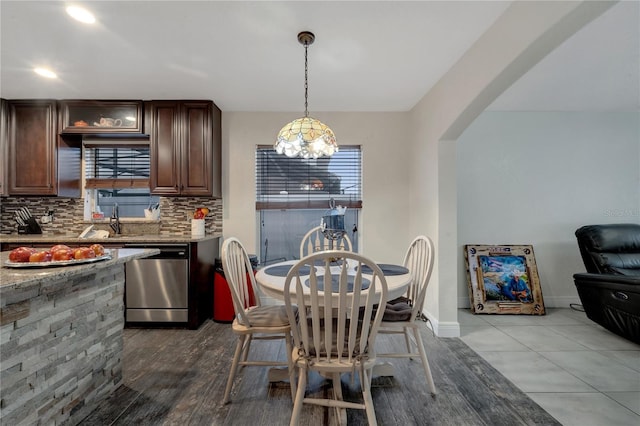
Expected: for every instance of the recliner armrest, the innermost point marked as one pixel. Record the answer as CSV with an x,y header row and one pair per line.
x,y
613,301
607,278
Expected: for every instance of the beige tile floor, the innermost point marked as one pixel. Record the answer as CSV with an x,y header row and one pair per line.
x,y
576,370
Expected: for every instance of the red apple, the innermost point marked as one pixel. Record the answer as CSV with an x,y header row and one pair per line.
x,y
83,253
62,254
40,256
200,213
59,247
21,254
98,249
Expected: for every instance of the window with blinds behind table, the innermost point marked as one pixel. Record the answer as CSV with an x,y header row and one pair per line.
x,y
297,183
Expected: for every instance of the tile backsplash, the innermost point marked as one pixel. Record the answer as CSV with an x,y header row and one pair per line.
x,y
175,215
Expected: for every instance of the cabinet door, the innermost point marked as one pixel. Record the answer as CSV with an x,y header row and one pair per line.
x,y
163,125
182,145
4,120
32,142
216,153
87,116
195,176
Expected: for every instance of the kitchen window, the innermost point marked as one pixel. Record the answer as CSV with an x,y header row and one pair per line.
x,y
292,195
117,173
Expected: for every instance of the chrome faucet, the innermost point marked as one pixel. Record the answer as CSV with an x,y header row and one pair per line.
x,y
114,220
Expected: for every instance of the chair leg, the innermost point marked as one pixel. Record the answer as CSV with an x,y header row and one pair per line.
x,y
341,412
297,404
365,381
337,386
291,367
407,340
234,368
247,346
425,361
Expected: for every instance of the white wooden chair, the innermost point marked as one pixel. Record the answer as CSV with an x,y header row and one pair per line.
x,y
252,322
315,241
348,305
419,260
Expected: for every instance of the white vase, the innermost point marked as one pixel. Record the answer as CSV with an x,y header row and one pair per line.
x,y
197,227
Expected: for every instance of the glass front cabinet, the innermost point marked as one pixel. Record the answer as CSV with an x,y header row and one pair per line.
x,y
86,116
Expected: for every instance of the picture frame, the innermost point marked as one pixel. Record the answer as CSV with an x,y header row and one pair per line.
x,y
503,279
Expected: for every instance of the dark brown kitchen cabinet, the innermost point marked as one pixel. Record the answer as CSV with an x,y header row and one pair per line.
x,y
4,121
32,147
91,116
39,161
185,141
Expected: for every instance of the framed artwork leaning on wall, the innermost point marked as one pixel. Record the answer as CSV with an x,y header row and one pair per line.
x,y
503,279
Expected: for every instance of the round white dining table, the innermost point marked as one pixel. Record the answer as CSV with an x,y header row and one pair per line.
x,y
271,279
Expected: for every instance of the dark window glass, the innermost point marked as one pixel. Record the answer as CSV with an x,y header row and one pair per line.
x,y
297,183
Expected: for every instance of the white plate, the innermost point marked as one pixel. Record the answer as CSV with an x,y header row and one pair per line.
x,y
53,263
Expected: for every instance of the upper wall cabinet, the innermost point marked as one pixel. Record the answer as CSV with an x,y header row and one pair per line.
x,y
4,134
86,116
32,147
39,162
185,139
4,121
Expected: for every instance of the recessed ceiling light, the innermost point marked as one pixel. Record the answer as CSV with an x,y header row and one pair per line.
x,y
81,14
45,72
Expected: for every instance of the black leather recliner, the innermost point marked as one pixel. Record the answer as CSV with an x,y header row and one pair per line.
x,y
610,290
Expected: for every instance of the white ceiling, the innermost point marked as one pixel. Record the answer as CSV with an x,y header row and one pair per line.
x,y
368,56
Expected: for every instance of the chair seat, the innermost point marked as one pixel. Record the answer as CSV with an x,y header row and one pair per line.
x,y
398,309
266,316
332,365
334,340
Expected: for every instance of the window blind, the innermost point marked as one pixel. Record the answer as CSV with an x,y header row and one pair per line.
x,y
117,167
298,183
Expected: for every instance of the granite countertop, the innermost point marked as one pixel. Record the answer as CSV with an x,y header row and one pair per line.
x,y
66,239
19,278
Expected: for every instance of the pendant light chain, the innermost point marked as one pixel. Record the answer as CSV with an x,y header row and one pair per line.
x,y
306,137
306,81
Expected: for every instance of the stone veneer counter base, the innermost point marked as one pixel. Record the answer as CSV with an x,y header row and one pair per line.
x,y
61,338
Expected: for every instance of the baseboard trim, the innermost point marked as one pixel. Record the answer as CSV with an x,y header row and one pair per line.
x,y
444,328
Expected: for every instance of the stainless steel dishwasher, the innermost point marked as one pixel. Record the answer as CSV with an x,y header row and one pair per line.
x,y
156,288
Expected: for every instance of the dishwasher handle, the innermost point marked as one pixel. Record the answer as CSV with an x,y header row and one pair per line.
x,y
166,252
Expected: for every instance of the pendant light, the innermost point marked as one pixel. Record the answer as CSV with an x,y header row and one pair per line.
x,y
306,137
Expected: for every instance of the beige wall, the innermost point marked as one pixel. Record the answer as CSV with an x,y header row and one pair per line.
x,y
409,158
536,177
521,37
384,230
